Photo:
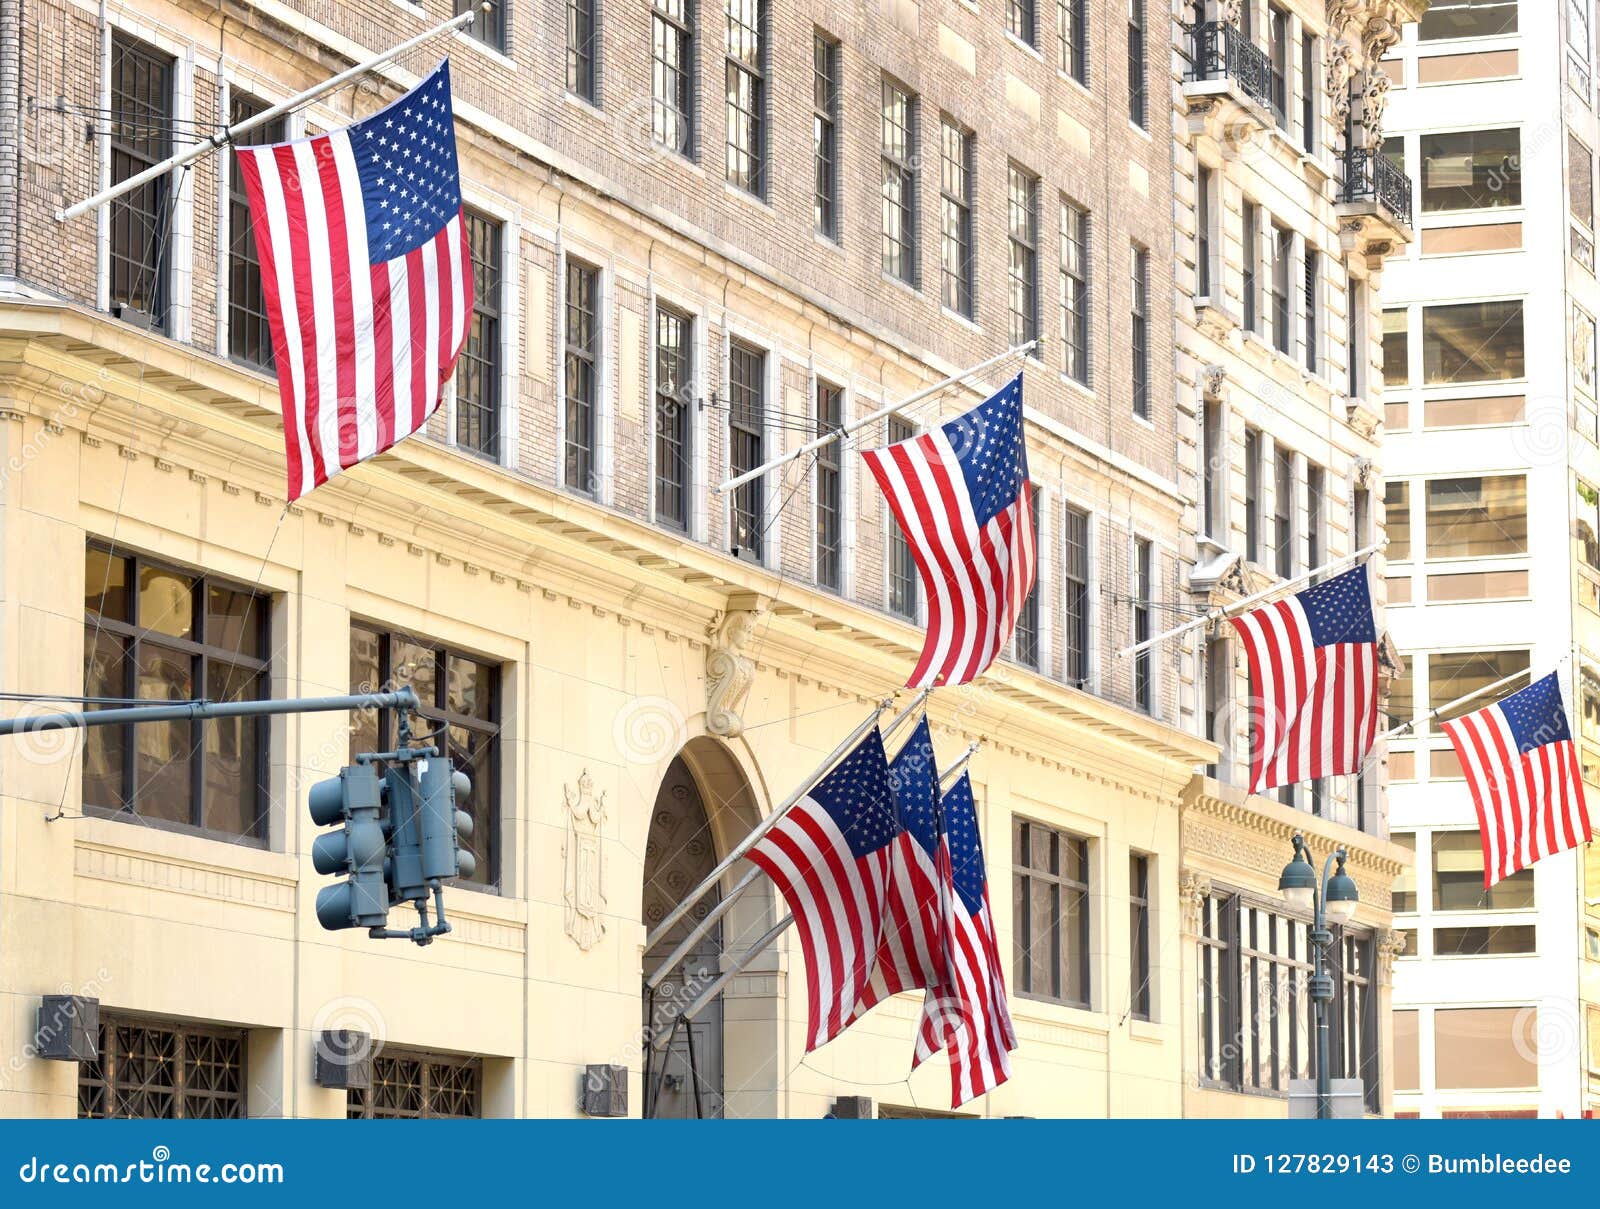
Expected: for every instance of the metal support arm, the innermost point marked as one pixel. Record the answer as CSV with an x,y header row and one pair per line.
x,y
404,698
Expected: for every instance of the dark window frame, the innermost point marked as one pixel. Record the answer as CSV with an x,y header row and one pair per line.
x,y
747,410
674,69
1138,86
143,100
582,63
956,204
477,378
674,418
1072,34
898,155
1139,904
1075,573
1139,330
745,71
1022,241
825,94
487,27
904,597
829,545
1070,950
1022,21
1143,609
581,305
1026,646
249,332
1075,232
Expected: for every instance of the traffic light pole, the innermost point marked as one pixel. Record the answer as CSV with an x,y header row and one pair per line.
x,y
405,699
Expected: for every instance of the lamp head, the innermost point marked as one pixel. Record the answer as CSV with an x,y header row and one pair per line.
x,y
1299,879
1342,894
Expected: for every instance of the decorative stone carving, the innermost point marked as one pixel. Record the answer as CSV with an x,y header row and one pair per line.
x,y
1228,11
729,671
1212,379
1362,470
583,880
1194,888
1390,945
1341,70
1374,100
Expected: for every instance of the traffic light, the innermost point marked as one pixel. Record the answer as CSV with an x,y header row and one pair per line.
x,y
444,823
356,850
404,866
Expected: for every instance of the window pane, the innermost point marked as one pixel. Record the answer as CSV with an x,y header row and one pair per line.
x,y
1483,942
1467,19
472,752
1477,517
364,728
162,749
1396,348
105,584
470,688
1458,877
1472,342
233,621
1471,169
416,665
166,602
232,754
104,747
1403,894
1397,520
1485,1047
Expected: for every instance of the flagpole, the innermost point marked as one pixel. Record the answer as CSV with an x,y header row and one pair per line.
x,y
727,976
828,437
1407,727
766,824
1218,614
947,778
213,141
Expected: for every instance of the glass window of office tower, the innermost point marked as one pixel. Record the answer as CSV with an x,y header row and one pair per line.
x,y
1458,877
1446,19
1483,516
1485,1047
1397,520
1472,342
1396,347
1471,169
1454,674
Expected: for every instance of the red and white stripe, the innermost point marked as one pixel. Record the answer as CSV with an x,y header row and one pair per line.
x,y
1313,710
975,578
909,950
363,350
967,1015
839,905
1530,804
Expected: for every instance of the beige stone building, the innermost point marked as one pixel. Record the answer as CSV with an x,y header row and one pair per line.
x,y
700,232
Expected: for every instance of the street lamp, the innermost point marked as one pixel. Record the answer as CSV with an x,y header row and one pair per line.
x,y
1333,902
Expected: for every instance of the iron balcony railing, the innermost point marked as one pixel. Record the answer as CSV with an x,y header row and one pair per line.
x,y
1222,52
1370,176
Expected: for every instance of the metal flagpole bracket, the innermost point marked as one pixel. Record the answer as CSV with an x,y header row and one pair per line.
x,y
845,430
213,141
1407,728
948,777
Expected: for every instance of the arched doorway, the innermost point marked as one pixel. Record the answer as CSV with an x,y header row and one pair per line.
x,y
685,1078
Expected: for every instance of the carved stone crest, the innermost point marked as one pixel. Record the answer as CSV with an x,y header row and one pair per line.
x,y
1341,69
583,880
1212,379
1194,888
1391,944
729,670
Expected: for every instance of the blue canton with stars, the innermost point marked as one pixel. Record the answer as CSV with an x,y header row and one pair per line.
x,y
856,795
989,448
915,781
1536,715
966,849
406,157
1340,609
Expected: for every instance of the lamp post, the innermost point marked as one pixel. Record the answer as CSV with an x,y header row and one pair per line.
x,y
1332,901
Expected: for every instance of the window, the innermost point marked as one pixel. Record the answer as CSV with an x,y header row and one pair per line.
x,y
1283,508
1454,674
1138,103
1252,495
1282,258
1022,223
166,1072
1072,31
830,486
1022,21
140,221
1256,1015
1143,606
1139,971
1580,181
745,74
1139,330
1251,237
1472,342
1316,494
1213,470
1485,1048
582,374
1026,648
1308,91
1403,892
581,75
1355,336
673,59
460,695
899,183
1484,941
1278,61
478,379
413,1085
1407,1051
1313,309
747,415
157,633
1467,19
903,578
1396,347
674,415
1203,230
825,133
1219,694
1050,900
1471,170
249,335
1074,239
1479,517
955,215
1075,573
489,25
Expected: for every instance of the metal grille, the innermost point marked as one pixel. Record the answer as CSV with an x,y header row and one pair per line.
x,y
478,375
902,565
745,71
1022,218
141,137
955,205
582,368
672,53
899,186
417,1085
825,132
830,487
580,49
1075,573
747,369
249,334
1139,331
674,398
163,1072
1074,240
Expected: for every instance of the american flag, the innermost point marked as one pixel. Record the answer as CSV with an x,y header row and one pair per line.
x,y
961,496
1526,781
830,856
1313,682
908,951
967,1013
367,276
